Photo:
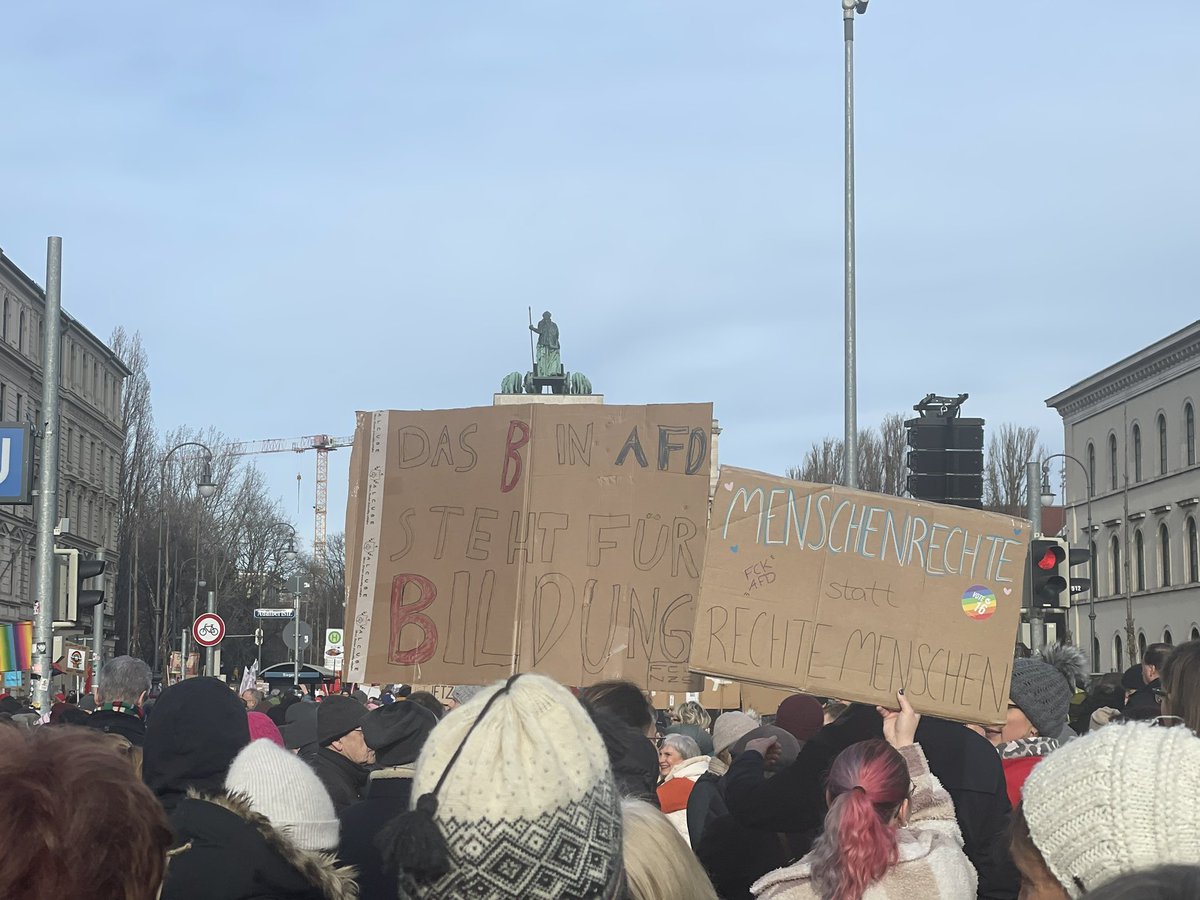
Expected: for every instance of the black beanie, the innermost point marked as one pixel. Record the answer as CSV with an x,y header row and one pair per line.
x,y
397,732
198,727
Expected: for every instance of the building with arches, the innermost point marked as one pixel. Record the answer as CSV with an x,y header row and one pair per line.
x,y
1133,426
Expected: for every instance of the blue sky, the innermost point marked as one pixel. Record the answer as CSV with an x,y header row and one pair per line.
x,y
311,208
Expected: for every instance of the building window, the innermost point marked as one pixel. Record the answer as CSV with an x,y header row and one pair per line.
x,y
4,326
1112,459
1137,453
1189,430
1195,633
1162,444
1141,645
1114,553
1139,560
21,331
1164,540
1118,655
3,400
1091,461
1093,568
20,403
1167,638
1193,551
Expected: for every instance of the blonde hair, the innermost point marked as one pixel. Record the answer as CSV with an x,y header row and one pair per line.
x,y
659,865
692,713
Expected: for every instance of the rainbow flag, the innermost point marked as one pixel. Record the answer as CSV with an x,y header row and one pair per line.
x,y
16,647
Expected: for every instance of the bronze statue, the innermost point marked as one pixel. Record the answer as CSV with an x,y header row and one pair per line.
x,y
548,371
549,360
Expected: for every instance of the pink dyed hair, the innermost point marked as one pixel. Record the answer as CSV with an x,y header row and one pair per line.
x,y
867,783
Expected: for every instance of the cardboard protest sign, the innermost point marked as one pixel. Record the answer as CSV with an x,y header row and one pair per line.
x,y
854,595
562,539
717,694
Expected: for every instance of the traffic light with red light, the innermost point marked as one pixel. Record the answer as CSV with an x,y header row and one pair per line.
x,y
1047,567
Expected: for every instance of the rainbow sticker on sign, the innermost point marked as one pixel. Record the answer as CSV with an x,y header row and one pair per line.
x,y
979,602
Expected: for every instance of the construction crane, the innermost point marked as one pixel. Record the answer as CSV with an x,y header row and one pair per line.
x,y
322,443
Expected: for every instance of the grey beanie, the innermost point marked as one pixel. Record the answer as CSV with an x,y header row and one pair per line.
x,y
1042,686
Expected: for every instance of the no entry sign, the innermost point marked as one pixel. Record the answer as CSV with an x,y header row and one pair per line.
x,y
208,630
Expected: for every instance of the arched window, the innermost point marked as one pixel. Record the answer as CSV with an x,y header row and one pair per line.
x,y
1112,460
1195,633
1189,430
4,325
21,330
1167,639
1139,561
1091,460
1164,541
1118,655
1096,652
1162,444
1093,571
1114,555
1193,552
1141,645
1137,453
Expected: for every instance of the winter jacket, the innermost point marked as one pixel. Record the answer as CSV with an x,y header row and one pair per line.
x,y
633,757
706,802
226,851
932,864
674,792
343,779
967,765
387,795
127,722
1018,759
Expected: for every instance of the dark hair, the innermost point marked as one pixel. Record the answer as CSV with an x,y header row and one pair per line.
x,y
623,700
867,784
1156,655
428,701
67,714
1163,883
74,790
1181,684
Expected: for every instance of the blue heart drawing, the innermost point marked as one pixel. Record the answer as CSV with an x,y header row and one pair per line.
x,y
734,548
1017,532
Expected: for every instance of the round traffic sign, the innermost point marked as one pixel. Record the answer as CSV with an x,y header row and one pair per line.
x,y
208,630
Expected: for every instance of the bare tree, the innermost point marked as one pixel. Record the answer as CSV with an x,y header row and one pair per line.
x,y
1009,449
895,455
880,459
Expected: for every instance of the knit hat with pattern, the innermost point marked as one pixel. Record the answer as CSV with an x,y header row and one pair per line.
x,y
517,784
1121,799
1042,686
729,727
283,788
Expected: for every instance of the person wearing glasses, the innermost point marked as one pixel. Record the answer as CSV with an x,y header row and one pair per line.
x,y
343,758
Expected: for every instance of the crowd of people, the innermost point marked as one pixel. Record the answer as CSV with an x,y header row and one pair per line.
x,y
528,789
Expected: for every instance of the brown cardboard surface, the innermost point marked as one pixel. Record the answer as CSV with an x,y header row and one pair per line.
x,y
763,700
854,595
723,696
566,540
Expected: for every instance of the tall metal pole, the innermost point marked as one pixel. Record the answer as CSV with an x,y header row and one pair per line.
x,y
850,443
296,620
97,634
208,653
159,607
1033,489
47,505
1089,488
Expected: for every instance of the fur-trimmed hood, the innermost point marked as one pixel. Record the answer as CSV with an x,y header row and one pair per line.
x,y
207,838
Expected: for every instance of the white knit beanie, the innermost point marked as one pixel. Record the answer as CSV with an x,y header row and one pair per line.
x,y
287,792
729,727
527,805
1122,799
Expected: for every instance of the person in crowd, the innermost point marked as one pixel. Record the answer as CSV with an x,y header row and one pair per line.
x,y
1180,685
299,731
691,713
343,757
1119,800
832,709
659,865
427,700
697,733
793,801
1144,683
680,763
1039,694
197,728
1163,883
278,712
254,699
785,748
67,714
124,684
461,694
518,766
76,820
269,833
890,830
728,728
801,716
625,720
396,733
261,726
1106,697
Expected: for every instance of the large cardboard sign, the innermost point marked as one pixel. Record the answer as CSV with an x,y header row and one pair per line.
x,y
562,539
854,595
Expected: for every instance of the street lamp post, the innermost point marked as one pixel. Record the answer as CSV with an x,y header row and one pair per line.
x,y
850,442
207,487
1088,487
289,556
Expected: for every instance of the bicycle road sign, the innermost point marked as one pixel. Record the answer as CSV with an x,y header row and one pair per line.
x,y
208,630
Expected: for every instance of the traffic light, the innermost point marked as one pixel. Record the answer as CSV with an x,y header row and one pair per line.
x,y
1046,567
72,595
945,458
1078,556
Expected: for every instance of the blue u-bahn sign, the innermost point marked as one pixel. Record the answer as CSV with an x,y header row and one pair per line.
x,y
16,463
